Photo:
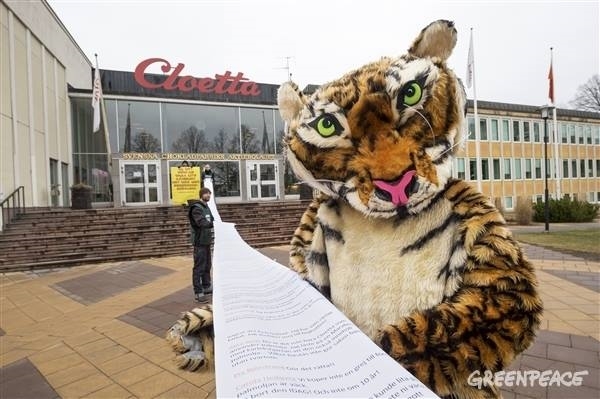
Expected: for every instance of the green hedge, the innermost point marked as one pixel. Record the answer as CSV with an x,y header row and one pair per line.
x,y
566,210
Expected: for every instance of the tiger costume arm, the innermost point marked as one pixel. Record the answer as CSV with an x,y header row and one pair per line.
x,y
482,326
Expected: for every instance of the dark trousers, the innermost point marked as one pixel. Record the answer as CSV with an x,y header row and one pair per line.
x,y
201,271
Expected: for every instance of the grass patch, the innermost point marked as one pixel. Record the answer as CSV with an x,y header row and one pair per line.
x,y
587,241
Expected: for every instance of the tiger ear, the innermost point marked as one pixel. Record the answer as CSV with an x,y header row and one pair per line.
x,y
290,101
435,40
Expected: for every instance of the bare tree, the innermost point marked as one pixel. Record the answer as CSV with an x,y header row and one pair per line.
x,y
234,144
191,140
587,97
220,141
249,142
145,142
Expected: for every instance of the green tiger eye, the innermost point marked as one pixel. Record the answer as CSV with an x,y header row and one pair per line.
x,y
325,126
412,94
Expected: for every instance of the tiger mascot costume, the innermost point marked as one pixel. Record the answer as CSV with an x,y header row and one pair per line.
x,y
421,262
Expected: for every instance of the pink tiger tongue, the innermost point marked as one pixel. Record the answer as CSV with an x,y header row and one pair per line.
x,y
397,189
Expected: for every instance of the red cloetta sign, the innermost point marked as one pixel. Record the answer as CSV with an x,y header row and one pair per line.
x,y
221,84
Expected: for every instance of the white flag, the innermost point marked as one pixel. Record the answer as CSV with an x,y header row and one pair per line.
x,y
470,63
96,96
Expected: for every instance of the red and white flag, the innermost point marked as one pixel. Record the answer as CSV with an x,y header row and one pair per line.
x,y
551,82
470,62
96,97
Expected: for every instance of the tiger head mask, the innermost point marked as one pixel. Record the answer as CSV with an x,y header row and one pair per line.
x,y
381,137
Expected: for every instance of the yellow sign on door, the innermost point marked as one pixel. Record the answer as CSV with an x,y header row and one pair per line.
x,y
185,183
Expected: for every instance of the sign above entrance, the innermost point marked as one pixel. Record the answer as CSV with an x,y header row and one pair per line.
x,y
221,84
140,156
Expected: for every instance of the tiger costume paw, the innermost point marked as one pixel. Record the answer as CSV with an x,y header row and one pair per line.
x,y
192,339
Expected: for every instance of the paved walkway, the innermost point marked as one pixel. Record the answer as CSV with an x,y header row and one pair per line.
x,y
97,331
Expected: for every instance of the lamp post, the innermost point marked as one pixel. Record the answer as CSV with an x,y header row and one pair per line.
x,y
545,110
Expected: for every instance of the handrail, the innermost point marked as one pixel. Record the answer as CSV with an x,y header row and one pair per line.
x,y
12,206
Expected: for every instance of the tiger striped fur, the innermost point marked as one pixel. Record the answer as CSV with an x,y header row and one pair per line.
x,y
420,262
192,339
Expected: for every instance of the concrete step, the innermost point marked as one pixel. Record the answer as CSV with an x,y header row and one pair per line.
x,y
63,237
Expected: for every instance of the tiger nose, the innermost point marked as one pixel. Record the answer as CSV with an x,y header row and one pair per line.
x,y
398,191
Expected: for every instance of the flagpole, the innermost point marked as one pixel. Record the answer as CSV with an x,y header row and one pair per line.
x,y
557,171
471,78
104,120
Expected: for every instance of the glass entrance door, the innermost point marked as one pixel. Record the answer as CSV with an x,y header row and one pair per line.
x,y
140,182
262,180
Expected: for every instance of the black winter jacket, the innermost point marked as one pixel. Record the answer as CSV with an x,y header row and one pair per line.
x,y
201,221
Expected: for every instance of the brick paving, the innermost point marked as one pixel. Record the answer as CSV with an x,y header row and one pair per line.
x,y
22,379
100,285
63,335
589,280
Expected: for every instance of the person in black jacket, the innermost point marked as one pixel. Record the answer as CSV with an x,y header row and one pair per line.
x,y
201,221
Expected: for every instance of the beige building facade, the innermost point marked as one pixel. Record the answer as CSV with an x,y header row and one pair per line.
x,y
39,60
505,156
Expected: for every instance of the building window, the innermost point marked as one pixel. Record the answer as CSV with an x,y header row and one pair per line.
x,y
591,197
526,135
485,169
516,132
597,167
90,161
536,132
471,127
279,133
494,129
590,168
191,128
505,130
538,168
596,134
572,133
579,129
473,169
139,127
257,131
588,134
507,170
226,178
528,168
564,133
518,169
582,168
573,168
508,203
54,184
460,168
565,168
483,133
496,168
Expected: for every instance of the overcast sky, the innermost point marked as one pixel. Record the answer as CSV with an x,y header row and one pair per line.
x,y
327,38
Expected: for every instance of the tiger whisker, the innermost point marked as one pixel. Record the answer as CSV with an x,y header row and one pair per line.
x,y
426,121
321,181
433,135
450,148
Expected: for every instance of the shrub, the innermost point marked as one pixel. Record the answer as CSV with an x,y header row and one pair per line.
x,y
566,210
523,211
